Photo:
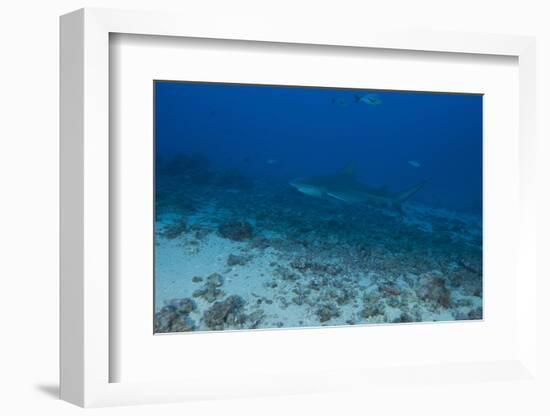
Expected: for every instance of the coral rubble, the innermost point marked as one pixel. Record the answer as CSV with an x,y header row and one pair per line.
x,y
228,312
236,231
272,258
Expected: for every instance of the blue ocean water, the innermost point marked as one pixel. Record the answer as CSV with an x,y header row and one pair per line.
x,y
241,244
304,131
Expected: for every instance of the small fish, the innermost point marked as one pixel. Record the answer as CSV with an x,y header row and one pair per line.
x,y
370,99
271,161
391,290
414,163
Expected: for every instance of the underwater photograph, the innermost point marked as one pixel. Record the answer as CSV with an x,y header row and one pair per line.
x,y
290,207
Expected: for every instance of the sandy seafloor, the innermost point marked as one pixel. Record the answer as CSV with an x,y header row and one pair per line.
x,y
294,261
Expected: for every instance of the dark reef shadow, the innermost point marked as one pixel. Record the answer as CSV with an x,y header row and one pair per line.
x,y
51,390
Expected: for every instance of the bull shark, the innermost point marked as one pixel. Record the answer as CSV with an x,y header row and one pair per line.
x,y
344,187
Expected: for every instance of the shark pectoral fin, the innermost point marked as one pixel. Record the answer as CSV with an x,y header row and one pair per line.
x,y
349,197
406,194
336,196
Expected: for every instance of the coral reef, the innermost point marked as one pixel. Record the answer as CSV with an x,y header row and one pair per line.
x,y
184,305
236,231
210,291
304,265
476,313
285,274
255,319
372,306
433,289
327,311
175,229
270,258
228,312
175,317
236,260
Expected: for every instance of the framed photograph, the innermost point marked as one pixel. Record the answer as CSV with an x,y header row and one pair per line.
x,y
262,221
270,212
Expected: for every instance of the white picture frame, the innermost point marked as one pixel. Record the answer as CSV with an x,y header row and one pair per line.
x,y
86,263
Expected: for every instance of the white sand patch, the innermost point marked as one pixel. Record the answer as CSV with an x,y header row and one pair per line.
x,y
264,289
179,260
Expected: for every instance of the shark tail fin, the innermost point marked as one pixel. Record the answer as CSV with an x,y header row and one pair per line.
x,y
401,197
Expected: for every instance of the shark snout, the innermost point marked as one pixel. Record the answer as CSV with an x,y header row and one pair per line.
x,y
296,183
307,188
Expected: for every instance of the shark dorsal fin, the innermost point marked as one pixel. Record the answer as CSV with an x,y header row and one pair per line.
x,y
349,169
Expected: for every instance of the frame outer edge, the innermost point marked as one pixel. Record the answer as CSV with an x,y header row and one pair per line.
x,y
72,208
84,180
96,208
527,156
